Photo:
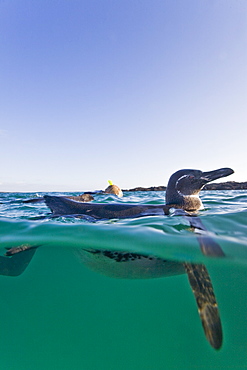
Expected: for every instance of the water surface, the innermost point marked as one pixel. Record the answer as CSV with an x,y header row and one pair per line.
x,y
59,314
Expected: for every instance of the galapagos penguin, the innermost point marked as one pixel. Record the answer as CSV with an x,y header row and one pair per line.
x,y
182,194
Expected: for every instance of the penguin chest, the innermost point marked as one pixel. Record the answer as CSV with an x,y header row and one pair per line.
x,y
127,265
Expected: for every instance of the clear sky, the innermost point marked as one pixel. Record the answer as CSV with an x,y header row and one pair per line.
x,y
126,90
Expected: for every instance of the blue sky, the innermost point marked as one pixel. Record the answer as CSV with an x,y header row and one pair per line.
x,y
124,90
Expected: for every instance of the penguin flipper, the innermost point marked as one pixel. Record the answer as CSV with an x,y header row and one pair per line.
x,y
16,261
208,246
202,288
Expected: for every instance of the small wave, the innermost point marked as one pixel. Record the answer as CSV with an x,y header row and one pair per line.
x,y
165,237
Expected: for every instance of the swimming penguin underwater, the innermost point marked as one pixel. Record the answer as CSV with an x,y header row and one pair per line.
x,y
182,194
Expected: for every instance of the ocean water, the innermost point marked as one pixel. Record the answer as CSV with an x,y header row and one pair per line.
x,y
59,314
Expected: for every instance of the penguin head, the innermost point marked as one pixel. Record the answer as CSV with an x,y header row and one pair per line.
x,y
188,183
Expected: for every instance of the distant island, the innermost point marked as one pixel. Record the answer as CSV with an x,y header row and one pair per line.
x,y
229,185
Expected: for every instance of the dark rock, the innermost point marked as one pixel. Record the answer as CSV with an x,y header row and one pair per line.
x,y
229,185
152,188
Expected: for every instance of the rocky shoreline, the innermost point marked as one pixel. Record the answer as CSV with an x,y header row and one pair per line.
x,y
229,185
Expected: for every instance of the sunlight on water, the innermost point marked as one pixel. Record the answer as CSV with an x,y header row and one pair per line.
x,y
58,314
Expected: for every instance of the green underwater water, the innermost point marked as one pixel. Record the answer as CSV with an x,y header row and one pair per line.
x,y
59,314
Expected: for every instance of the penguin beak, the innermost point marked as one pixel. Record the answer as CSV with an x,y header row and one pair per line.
x,y
216,174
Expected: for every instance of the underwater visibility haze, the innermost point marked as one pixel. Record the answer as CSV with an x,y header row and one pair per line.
x,y
60,314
